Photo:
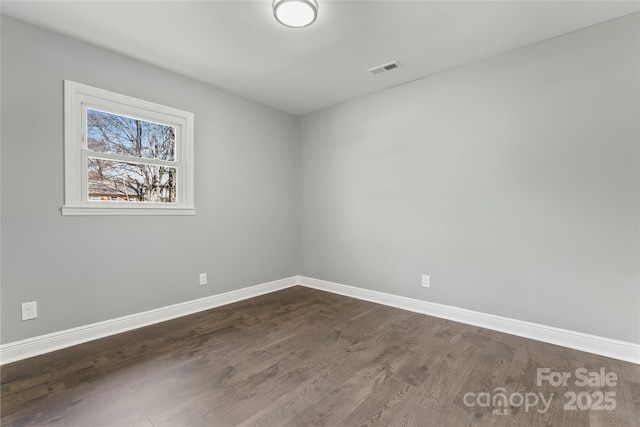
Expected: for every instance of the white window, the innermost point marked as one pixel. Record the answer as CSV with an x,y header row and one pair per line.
x,y
124,149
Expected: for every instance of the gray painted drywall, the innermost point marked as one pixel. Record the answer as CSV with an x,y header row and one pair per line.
x,y
513,182
87,269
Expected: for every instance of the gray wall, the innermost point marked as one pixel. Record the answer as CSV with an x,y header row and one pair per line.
x,y
513,182
87,269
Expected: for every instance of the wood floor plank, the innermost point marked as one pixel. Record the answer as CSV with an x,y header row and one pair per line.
x,y
381,405
281,411
410,414
343,397
450,374
303,357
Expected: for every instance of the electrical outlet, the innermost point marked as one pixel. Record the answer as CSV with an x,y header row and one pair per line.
x,y
426,281
203,279
29,310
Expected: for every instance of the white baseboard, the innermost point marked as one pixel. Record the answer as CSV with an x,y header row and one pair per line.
x,y
620,350
30,347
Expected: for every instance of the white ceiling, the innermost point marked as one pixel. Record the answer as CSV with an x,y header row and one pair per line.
x,y
239,47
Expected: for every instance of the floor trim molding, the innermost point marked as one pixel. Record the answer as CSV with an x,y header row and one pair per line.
x,y
35,346
621,350
18,350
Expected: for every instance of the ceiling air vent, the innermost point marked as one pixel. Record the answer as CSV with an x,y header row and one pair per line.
x,y
384,67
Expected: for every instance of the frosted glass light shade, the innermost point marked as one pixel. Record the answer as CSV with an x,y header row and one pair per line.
x,y
295,13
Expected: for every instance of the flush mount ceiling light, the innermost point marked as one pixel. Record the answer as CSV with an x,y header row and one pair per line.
x,y
295,13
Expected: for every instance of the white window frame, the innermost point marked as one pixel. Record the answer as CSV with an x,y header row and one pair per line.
x,y
77,98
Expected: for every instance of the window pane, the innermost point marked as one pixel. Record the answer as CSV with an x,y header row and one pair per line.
x,y
112,133
130,182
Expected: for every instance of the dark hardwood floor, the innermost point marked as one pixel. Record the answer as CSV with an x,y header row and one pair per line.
x,y
301,357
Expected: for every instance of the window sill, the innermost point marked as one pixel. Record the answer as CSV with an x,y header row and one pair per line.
x,y
112,211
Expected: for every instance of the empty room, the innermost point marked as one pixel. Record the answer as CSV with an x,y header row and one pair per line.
x,y
320,213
